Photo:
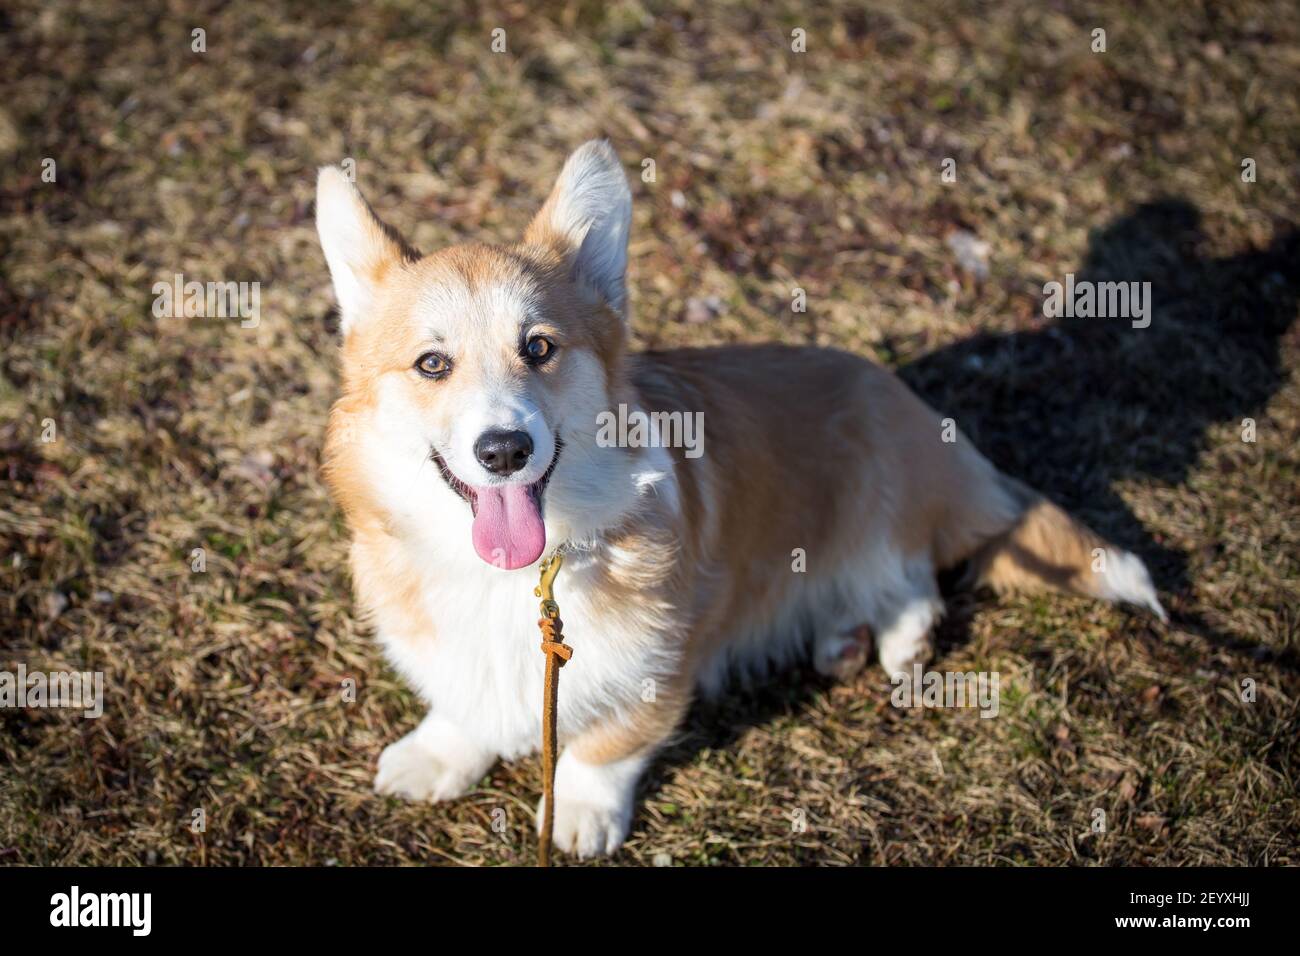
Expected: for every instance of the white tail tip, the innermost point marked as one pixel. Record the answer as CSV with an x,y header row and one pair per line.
x,y
1128,581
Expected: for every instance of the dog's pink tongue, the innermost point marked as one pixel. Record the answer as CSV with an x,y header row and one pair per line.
x,y
508,529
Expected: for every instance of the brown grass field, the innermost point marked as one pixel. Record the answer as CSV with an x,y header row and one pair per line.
x,y
773,170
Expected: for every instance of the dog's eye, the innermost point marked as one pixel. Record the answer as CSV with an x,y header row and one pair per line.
x,y
433,365
539,349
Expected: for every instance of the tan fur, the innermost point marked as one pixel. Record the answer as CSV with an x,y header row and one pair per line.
x,y
1046,548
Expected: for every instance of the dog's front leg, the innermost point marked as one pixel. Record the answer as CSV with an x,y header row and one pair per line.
x,y
436,761
594,802
597,774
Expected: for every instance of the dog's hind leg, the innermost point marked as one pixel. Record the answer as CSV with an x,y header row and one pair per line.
x,y
904,636
893,604
842,654
845,618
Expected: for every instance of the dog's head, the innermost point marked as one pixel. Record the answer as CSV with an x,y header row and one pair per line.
x,y
473,377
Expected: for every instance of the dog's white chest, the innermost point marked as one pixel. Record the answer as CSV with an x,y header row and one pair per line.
x,y
485,668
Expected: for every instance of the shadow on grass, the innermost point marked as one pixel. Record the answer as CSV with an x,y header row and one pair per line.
x,y
1083,404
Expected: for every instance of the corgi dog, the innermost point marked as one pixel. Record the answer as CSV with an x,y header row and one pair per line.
x,y
471,441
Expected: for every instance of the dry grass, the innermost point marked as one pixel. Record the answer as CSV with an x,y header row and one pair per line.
x,y
774,170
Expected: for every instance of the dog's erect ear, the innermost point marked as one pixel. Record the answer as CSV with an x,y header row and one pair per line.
x,y
358,246
587,217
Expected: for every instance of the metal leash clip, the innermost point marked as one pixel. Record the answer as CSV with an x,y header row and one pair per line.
x,y
545,587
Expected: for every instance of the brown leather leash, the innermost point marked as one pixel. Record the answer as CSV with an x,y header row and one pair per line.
x,y
557,652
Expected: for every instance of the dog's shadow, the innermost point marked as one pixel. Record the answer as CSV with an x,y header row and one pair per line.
x,y
1080,405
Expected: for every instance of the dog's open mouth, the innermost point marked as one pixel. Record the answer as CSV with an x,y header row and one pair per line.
x,y
508,529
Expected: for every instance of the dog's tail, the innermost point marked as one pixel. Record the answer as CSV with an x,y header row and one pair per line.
x,y
1044,548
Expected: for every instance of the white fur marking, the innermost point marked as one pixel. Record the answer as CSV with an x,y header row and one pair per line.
x,y
906,640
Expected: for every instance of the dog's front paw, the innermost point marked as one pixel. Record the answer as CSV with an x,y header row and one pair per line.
x,y
409,769
588,829
429,764
593,804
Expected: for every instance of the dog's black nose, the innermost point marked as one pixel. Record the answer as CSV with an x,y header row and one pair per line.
x,y
503,452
